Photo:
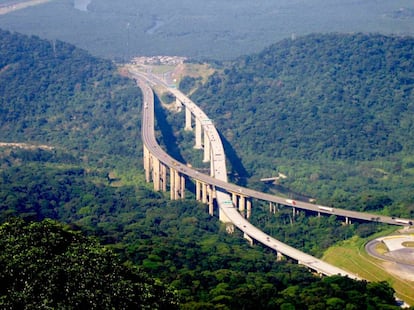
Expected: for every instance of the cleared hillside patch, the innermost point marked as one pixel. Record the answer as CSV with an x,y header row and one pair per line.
x,y
351,255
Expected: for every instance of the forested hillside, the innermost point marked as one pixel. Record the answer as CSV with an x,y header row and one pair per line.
x,y
335,113
75,123
47,266
56,94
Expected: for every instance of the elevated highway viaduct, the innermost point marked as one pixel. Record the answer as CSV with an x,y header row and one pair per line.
x,y
241,196
234,202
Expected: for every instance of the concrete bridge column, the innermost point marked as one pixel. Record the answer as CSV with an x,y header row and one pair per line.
x,y
206,149
177,184
182,186
242,204
147,166
172,183
273,207
234,198
248,238
279,256
198,189
198,133
188,125
249,207
163,177
295,211
156,173
347,221
203,192
210,200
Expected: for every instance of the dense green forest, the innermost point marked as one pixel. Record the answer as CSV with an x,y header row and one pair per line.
x,y
47,266
89,177
332,112
56,94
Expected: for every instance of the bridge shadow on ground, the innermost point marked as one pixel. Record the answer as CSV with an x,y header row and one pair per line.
x,y
238,173
168,140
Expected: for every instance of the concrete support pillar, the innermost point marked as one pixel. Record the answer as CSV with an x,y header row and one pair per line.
x,y
177,184
163,177
147,166
347,221
206,149
198,190
172,183
234,198
210,200
279,256
242,204
198,133
248,238
229,225
182,186
188,125
213,192
249,208
273,207
156,173
204,193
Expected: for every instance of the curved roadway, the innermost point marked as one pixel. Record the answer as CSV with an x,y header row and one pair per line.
x,y
221,180
225,203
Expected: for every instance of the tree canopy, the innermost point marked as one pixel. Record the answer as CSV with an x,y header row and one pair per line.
x,y
333,112
88,180
45,265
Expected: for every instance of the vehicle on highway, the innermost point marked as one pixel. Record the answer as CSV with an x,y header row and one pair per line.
x,y
290,201
404,221
325,208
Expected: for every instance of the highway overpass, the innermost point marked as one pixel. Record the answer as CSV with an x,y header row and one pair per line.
x,y
241,196
159,167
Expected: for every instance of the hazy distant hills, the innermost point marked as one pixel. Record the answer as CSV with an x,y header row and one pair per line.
x,y
200,28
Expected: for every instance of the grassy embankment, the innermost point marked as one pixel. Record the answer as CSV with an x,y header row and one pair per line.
x,y
351,255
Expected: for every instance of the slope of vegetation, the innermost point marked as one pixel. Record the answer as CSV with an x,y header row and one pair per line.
x,y
332,112
174,241
46,266
57,95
